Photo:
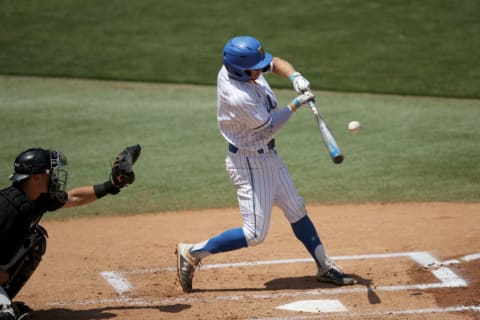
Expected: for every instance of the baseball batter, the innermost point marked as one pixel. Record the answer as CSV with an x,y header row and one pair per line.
x,y
248,117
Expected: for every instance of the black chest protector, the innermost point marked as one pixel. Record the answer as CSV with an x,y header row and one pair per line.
x,y
18,216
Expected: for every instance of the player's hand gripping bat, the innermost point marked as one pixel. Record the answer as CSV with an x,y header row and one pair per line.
x,y
327,136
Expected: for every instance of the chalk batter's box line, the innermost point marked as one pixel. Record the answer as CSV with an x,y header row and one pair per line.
x,y
380,314
448,279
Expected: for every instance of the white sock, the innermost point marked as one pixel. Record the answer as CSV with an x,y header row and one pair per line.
x,y
197,250
321,257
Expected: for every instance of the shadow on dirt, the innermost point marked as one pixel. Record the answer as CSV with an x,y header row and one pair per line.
x,y
297,283
301,283
310,282
100,313
372,296
304,283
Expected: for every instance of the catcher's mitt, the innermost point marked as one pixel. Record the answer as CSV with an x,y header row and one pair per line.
x,y
122,173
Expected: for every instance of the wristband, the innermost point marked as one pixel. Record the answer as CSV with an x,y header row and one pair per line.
x,y
294,105
293,75
296,102
102,189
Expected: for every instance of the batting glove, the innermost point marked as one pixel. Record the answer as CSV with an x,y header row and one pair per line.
x,y
300,84
301,100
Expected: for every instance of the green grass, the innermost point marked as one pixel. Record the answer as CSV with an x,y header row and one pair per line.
x,y
427,47
410,148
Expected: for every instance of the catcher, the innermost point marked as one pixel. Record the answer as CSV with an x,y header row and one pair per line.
x,y
38,185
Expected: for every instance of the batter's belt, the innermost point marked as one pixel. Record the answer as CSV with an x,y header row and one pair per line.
x,y
270,146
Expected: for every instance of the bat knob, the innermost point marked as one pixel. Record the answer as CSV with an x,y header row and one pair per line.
x,y
338,159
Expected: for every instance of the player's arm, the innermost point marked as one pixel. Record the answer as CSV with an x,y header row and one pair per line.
x,y
280,118
121,175
85,195
80,196
285,70
282,67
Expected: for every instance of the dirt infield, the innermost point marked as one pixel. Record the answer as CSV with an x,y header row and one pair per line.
x,y
412,261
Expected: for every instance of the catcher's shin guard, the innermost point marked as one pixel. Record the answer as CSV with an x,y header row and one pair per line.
x,y
26,261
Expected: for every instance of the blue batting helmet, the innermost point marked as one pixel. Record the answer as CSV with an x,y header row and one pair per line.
x,y
244,53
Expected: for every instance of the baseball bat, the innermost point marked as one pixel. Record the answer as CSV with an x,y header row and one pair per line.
x,y
327,136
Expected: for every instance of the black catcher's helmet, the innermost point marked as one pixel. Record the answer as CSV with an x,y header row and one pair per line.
x,y
30,161
38,160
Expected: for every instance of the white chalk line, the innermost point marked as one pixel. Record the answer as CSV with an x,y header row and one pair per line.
x,y
312,293
467,258
423,258
281,261
117,281
471,257
447,278
379,313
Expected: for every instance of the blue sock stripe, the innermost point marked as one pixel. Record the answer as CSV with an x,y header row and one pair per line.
x,y
229,240
305,232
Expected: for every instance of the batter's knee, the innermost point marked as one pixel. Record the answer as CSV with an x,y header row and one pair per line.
x,y
253,238
296,211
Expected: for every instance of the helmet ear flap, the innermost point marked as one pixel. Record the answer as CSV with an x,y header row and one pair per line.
x,y
241,75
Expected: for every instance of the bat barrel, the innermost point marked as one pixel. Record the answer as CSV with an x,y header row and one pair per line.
x,y
333,149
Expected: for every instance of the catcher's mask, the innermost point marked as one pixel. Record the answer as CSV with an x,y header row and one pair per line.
x,y
244,53
37,160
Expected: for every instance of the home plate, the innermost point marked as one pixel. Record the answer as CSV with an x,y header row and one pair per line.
x,y
314,306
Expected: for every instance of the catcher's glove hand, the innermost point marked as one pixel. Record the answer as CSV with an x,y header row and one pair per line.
x,y
122,173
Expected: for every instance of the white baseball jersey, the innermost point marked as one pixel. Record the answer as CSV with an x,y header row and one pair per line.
x,y
244,113
243,110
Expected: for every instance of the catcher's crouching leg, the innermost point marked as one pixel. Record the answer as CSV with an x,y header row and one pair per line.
x,y
26,261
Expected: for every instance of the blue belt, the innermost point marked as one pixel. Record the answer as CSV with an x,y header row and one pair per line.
x,y
270,146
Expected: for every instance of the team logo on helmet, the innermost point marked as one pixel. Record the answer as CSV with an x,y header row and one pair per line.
x,y
261,51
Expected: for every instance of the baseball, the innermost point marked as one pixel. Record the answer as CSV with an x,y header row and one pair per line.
x,y
354,127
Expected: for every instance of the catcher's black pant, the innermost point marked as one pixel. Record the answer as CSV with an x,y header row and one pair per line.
x,y
22,266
